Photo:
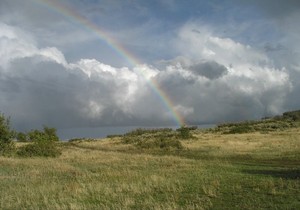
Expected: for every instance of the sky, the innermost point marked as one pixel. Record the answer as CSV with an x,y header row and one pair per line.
x,y
92,63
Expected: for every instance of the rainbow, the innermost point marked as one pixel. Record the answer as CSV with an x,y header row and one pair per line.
x,y
74,17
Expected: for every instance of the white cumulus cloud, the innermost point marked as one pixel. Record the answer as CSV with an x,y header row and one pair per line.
x,y
214,79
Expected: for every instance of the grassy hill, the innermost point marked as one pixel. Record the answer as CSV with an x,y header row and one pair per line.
x,y
287,120
247,165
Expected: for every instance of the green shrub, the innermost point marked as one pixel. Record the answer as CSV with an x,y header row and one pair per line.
x,y
136,132
76,140
170,143
144,134
43,144
22,137
240,129
184,132
7,146
292,115
48,134
162,138
51,133
142,131
41,149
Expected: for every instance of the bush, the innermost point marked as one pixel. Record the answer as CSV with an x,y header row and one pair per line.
x,y
51,133
48,134
184,132
240,129
142,131
163,138
22,137
293,115
43,144
42,149
7,146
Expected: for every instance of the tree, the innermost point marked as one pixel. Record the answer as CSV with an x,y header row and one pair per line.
x,y
6,136
48,134
51,133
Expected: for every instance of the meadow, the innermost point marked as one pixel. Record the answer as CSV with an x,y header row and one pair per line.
x,y
210,169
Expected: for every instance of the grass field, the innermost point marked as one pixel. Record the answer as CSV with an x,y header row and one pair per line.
x,y
211,171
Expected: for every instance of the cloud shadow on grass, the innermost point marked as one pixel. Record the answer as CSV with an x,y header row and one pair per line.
x,y
277,173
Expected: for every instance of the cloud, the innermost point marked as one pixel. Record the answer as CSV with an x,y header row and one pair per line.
x,y
276,8
239,81
209,69
213,79
281,39
40,87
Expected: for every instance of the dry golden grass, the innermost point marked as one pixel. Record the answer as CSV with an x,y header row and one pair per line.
x,y
250,143
213,171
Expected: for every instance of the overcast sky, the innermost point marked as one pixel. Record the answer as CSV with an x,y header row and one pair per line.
x,y
216,60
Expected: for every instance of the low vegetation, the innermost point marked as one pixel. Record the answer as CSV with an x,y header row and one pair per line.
x,y
152,139
7,146
212,169
43,144
40,143
278,123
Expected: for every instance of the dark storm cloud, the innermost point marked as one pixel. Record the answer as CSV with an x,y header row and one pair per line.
x,y
276,8
209,69
39,95
270,48
48,94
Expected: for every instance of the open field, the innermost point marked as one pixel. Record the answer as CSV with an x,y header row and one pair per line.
x,y
211,171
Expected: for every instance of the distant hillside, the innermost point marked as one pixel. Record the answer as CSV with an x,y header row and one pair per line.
x,y
293,115
286,120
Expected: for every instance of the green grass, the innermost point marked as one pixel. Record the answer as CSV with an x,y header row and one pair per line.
x,y
256,170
